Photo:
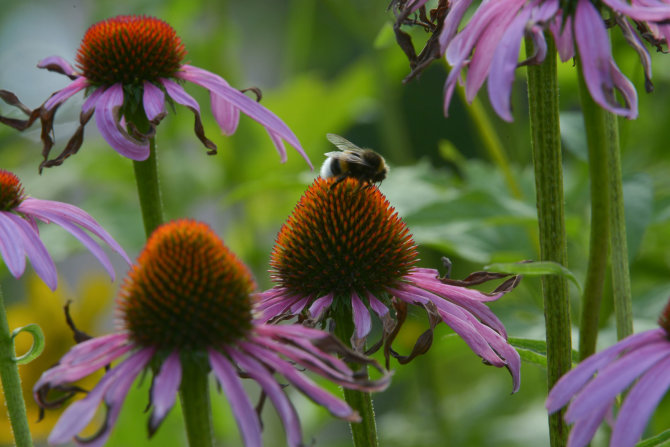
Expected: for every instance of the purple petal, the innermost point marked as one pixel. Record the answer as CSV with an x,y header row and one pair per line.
x,y
58,64
639,404
502,15
75,215
563,37
36,251
336,406
657,13
164,389
246,417
504,65
153,100
65,93
237,99
179,95
320,305
92,100
113,387
614,378
273,390
11,247
452,22
108,121
225,114
362,321
574,380
597,64
584,429
377,306
279,144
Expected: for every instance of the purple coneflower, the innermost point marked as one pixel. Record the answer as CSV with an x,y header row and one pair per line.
x,y
129,66
19,235
189,298
488,45
344,247
593,386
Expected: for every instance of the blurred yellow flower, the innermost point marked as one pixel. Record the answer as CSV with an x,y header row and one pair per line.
x,y
91,306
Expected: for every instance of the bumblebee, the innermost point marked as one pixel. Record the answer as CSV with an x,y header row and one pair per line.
x,y
365,165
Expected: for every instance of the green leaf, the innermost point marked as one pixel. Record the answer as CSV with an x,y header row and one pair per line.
x,y
659,439
534,268
535,351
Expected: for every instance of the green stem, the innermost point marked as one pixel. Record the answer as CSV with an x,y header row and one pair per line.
x,y
146,176
364,433
11,383
195,403
623,307
600,140
491,142
546,142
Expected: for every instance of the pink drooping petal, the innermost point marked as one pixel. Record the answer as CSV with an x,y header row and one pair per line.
x,y
273,390
504,63
487,43
601,74
92,101
225,114
108,121
336,406
452,22
614,378
582,432
164,389
320,305
659,12
75,215
362,321
67,92
84,238
83,359
246,417
153,100
427,279
113,388
179,95
59,65
639,404
377,306
562,32
35,250
237,99
574,380
11,247
279,144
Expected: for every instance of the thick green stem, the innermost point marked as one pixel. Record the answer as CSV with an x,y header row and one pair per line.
x,y
546,142
623,307
600,140
146,176
195,404
11,383
364,433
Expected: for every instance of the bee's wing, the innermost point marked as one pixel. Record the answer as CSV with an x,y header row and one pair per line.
x,y
342,143
349,155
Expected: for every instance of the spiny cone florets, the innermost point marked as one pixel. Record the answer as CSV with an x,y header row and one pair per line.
x,y
342,238
11,191
187,290
129,50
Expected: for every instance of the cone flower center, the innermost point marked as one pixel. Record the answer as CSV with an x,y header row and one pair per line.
x,y
339,239
129,49
187,290
11,191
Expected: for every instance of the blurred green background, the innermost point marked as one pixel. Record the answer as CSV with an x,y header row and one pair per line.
x,y
332,66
